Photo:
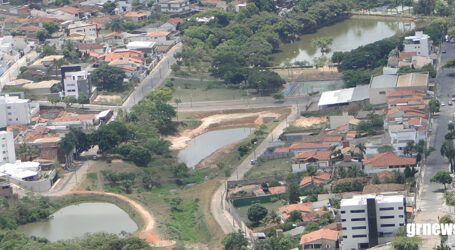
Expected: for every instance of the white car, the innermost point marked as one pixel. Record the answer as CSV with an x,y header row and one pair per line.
x,y
442,104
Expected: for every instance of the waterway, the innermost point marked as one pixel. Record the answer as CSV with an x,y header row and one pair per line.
x,y
347,35
204,145
75,221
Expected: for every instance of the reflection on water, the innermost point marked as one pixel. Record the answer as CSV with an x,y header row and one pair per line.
x,y
347,35
204,145
76,220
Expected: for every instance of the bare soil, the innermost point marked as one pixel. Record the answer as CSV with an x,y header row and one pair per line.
x,y
309,121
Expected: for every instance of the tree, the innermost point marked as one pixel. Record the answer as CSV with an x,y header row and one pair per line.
x,y
353,78
386,148
140,156
293,193
410,148
136,5
434,105
51,27
177,102
180,170
442,177
108,77
295,216
278,96
406,243
70,100
70,51
310,227
448,151
109,7
47,51
234,241
42,35
26,151
323,43
256,213
116,25
83,99
264,81
54,99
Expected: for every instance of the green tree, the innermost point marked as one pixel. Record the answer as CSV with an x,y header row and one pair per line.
x,y
26,151
448,151
256,213
177,102
83,99
278,96
136,5
434,105
353,78
294,216
116,25
140,156
109,7
47,51
322,43
234,241
70,52
265,81
51,27
406,243
442,177
108,77
180,170
42,35
310,227
293,193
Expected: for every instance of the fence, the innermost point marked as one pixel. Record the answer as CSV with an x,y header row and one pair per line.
x,y
275,155
232,184
256,199
37,186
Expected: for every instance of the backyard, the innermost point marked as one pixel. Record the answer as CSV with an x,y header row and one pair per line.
x,y
273,167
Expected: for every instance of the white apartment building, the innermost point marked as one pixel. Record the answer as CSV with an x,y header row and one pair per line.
x,y
419,43
82,29
369,220
7,150
174,6
14,110
76,83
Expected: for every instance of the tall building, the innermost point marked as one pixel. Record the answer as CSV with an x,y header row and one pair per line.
x,y
76,83
7,150
14,110
419,43
369,220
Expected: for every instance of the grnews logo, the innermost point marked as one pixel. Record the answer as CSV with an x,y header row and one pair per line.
x,y
414,229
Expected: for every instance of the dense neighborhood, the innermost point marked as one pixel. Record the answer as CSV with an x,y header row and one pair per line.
x,y
212,124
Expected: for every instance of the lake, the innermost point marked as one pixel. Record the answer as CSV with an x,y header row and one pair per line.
x,y
76,220
347,35
204,145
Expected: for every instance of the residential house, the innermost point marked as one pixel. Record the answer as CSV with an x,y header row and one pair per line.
x,y
113,38
420,61
159,37
379,86
144,46
83,29
28,29
136,16
308,146
173,6
14,110
173,24
316,158
75,120
385,188
43,88
308,214
322,177
86,48
387,161
324,239
77,83
419,43
69,11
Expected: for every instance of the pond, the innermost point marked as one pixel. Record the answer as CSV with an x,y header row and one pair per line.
x,y
76,220
347,35
204,145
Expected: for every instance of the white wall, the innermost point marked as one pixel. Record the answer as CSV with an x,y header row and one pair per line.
x,y
14,111
7,150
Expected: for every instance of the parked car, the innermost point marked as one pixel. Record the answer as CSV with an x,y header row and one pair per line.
x,y
442,104
450,103
444,51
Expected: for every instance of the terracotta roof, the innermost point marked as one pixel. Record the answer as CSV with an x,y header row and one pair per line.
x,y
380,188
122,54
89,46
158,34
389,159
114,34
175,21
324,176
332,226
417,121
320,178
309,145
326,234
301,207
405,92
332,139
318,155
47,154
80,117
351,134
383,175
281,150
258,192
69,9
409,209
277,189
28,28
135,14
406,55
40,19
415,99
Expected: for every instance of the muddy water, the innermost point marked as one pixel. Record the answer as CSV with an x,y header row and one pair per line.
x,y
76,220
204,145
347,35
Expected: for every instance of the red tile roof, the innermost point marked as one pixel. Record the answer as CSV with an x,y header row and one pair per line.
x,y
69,9
116,34
281,150
123,54
89,46
326,234
158,34
406,55
380,188
332,139
405,92
390,159
277,189
28,28
309,145
318,155
80,117
301,207
417,121
351,134
176,21
135,14
415,99
320,178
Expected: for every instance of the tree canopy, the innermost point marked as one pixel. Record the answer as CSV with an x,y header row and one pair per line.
x,y
108,77
442,177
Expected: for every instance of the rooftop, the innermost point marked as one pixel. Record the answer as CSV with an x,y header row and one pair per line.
x,y
309,145
327,234
413,80
362,199
382,188
41,85
318,155
389,159
340,96
158,33
383,81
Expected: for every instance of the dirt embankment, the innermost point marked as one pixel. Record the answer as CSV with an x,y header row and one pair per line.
x,y
220,120
148,231
305,122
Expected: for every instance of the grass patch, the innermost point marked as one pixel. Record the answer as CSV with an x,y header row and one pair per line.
x,y
269,168
197,176
92,176
189,124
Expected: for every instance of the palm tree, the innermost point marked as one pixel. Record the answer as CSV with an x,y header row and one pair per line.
x,y
177,102
448,151
26,151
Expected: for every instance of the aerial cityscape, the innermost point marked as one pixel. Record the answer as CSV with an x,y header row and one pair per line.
x,y
227,124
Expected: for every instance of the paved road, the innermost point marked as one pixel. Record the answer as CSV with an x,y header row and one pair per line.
x,y
430,199
223,218
12,72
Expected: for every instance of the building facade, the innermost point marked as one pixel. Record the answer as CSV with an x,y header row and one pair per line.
x,y
174,6
14,110
369,220
7,150
419,43
76,83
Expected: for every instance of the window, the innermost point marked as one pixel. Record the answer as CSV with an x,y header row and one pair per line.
x,y
401,224
343,220
400,216
343,228
385,208
342,211
356,228
345,236
9,107
358,219
387,217
359,236
9,113
358,211
317,246
400,208
382,92
387,225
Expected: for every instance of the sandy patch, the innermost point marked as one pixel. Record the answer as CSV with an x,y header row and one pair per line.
x,y
309,121
226,120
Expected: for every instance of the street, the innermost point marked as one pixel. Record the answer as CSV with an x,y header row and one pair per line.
x,y
430,199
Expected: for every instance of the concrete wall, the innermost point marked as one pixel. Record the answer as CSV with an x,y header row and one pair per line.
x,y
37,186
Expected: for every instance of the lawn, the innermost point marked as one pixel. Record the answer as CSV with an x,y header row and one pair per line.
x,y
195,90
271,206
269,168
